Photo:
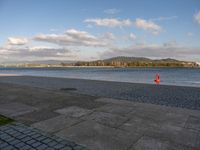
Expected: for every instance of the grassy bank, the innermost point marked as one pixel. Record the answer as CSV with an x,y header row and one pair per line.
x,y
4,120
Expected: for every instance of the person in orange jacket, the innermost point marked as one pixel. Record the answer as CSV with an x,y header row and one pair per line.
x,y
157,79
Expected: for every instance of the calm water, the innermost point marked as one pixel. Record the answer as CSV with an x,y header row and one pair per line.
x,y
169,76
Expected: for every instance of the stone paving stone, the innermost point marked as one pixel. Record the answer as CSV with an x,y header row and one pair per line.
x,y
26,147
36,144
58,146
53,143
50,148
77,147
99,137
41,147
11,131
19,145
41,138
140,125
73,111
35,136
15,109
107,119
193,123
10,139
178,135
2,145
149,143
36,116
169,132
27,140
21,136
69,143
116,109
5,136
14,142
30,142
47,140
9,147
116,101
55,124
30,133
67,148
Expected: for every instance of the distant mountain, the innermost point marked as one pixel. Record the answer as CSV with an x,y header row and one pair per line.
x,y
124,58
168,60
50,62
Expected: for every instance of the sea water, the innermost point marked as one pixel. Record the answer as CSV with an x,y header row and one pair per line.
x,y
169,76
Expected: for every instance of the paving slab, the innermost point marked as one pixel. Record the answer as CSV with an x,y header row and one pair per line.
x,y
115,101
193,123
36,116
139,125
55,124
99,137
160,116
115,109
169,132
107,119
73,111
15,109
149,143
177,135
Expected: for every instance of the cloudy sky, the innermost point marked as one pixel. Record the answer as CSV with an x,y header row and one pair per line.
x,y
94,29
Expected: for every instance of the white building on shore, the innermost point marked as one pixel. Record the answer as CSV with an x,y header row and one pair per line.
x,y
198,63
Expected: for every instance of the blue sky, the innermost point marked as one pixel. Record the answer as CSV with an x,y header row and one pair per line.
x,y
91,29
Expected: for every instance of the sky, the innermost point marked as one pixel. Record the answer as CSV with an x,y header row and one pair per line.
x,y
32,30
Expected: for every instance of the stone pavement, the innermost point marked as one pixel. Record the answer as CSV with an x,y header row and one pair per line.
x,y
175,96
100,123
21,137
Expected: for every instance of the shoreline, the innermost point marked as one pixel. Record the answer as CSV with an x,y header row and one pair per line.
x,y
95,80
98,67
5,75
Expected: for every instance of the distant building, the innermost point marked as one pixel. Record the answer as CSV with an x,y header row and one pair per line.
x,y
198,63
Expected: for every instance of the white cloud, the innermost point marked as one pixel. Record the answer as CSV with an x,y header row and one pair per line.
x,y
132,36
197,17
164,18
39,48
72,37
170,44
167,50
17,41
148,25
190,34
109,36
109,22
139,23
111,11
36,51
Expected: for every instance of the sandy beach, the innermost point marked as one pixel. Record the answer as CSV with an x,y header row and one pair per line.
x,y
3,75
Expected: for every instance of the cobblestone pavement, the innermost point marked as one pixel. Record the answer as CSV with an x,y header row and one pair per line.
x,y
18,136
175,96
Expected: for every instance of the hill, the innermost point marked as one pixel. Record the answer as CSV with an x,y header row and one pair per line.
x,y
122,61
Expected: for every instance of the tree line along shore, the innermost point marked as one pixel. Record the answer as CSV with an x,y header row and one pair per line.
x,y
112,62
